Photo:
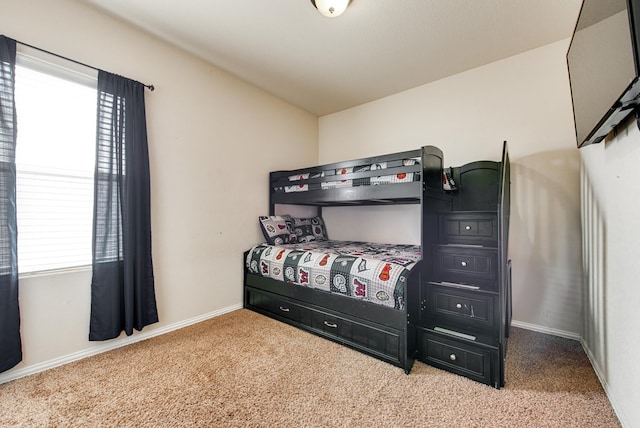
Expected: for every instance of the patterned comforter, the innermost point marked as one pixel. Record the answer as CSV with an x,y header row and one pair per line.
x,y
376,273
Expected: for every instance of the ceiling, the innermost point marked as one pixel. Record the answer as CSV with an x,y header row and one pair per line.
x,y
375,49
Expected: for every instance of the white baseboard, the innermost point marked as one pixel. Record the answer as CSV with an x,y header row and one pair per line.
x,y
605,386
547,330
108,346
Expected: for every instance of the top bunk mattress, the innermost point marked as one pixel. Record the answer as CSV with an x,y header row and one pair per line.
x,y
376,273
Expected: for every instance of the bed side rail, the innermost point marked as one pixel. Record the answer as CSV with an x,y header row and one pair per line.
x,y
348,164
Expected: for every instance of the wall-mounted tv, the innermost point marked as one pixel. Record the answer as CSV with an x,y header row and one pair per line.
x,y
603,67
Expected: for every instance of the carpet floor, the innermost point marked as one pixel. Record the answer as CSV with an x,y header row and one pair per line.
x,y
243,369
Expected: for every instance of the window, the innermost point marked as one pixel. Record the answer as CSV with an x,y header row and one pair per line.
x,y
55,162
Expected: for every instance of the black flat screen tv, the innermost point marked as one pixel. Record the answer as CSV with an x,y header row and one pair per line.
x,y
603,67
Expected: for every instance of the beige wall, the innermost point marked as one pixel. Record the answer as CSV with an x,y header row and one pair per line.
x,y
525,100
611,202
204,208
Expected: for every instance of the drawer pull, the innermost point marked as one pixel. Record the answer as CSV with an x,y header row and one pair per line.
x,y
285,309
330,324
467,227
459,306
464,264
453,357
455,285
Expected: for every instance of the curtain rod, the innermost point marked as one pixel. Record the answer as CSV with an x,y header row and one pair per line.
x,y
150,87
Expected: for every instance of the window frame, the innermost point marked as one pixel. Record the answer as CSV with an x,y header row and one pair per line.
x,y
55,66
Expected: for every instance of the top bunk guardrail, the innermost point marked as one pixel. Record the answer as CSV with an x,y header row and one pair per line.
x,y
396,178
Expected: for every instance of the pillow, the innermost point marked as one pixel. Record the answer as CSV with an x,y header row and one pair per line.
x,y
276,229
319,229
308,229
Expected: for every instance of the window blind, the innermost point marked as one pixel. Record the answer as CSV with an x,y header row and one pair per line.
x,y
55,162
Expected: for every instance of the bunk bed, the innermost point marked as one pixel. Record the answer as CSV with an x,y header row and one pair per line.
x,y
369,297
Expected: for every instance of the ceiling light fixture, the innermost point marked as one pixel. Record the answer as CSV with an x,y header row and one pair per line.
x,y
331,8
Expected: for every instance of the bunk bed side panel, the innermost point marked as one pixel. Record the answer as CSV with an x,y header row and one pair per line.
x,y
503,254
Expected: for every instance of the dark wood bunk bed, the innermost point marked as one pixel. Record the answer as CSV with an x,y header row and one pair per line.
x,y
453,317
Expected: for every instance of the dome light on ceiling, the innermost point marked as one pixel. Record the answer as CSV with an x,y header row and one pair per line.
x,y
331,8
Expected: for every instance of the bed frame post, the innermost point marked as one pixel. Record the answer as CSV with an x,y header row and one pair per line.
x,y
272,207
432,164
432,197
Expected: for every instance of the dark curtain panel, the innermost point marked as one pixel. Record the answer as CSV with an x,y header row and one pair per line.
x,y
10,342
122,288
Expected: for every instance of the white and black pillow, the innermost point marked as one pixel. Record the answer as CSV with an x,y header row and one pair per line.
x,y
277,229
319,229
309,229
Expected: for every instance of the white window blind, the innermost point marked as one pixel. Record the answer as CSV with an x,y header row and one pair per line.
x,y
55,161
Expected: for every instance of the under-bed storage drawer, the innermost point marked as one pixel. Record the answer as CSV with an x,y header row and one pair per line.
x,y
456,356
479,228
459,264
384,342
277,305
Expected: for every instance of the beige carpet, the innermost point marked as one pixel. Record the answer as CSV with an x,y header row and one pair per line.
x,y
243,369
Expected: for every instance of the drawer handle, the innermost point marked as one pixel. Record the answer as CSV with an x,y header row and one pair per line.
x,y
467,227
330,324
453,357
464,264
459,306
285,309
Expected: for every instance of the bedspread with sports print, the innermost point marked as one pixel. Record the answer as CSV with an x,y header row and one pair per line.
x,y
376,273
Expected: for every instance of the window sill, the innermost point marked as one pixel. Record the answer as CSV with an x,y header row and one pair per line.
x,y
50,272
